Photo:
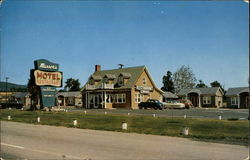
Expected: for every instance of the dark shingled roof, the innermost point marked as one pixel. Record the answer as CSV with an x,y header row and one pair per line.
x,y
236,91
210,90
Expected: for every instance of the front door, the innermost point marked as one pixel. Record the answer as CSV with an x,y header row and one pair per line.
x,y
194,98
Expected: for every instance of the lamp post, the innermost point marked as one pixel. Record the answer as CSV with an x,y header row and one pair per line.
x,y
6,87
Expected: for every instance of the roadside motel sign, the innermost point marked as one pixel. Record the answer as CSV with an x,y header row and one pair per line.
x,y
47,77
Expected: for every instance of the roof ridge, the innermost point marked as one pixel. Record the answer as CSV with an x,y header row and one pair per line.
x,y
122,68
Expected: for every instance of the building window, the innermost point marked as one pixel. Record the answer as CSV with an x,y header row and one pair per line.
x,y
91,81
121,98
207,100
234,100
120,80
144,81
138,97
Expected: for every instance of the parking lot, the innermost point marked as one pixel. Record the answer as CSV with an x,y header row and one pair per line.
x,y
241,114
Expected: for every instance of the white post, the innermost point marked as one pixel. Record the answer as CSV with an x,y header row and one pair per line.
x,y
185,131
153,115
75,122
124,126
105,113
128,114
105,97
85,112
9,118
219,117
185,116
38,119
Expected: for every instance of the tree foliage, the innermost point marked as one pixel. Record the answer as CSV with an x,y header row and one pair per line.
x,y
201,84
34,93
72,84
184,78
217,84
168,84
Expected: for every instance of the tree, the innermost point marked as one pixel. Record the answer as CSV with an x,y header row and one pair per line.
x,y
72,84
34,93
201,84
184,78
168,84
217,84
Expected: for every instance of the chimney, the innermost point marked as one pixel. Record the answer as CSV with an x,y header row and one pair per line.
x,y
97,68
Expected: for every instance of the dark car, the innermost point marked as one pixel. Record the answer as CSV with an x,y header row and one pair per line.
x,y
151,103
11,104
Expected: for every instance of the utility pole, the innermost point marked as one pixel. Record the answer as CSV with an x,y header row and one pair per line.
x,y
6,89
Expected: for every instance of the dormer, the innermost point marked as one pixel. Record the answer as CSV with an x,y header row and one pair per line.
x,y
109,78
94,80
123,78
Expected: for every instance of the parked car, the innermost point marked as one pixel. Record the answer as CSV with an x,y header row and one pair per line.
x,y
187,102
151,103
11,104
174,105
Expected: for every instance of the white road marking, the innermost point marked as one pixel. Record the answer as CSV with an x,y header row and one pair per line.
x,y
40,151
11,145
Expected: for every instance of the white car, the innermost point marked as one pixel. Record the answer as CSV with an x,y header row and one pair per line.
x,y
174,105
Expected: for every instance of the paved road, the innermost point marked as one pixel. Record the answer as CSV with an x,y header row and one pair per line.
x,y
30,141
214,113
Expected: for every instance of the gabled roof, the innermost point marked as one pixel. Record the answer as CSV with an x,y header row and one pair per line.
x,y
69,94
125,75
210,90
110,76
135,72
236,91
169,95
96,77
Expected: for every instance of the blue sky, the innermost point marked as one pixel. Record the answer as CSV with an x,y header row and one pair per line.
x,y
211,37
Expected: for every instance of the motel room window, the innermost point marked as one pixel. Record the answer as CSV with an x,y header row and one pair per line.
x,y
234,100
207,100
138,97
144,81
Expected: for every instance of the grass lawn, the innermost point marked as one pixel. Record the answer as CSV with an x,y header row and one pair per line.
x,y
223,131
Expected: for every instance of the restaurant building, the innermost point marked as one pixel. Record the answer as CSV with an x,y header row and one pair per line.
x,y
119,88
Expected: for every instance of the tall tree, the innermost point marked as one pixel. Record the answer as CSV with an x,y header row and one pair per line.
x,y
34,93
72,84
184,78
217,84
168,84
201,84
